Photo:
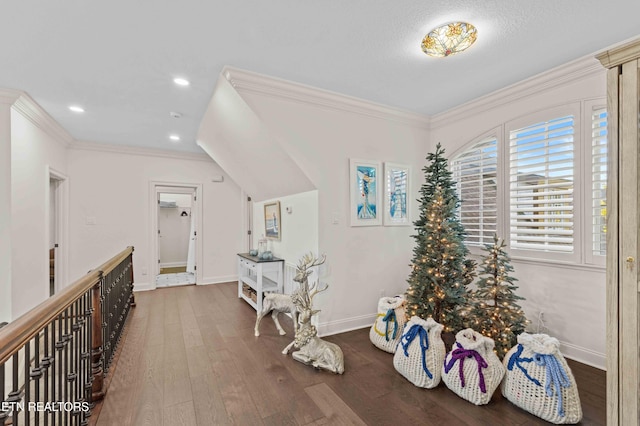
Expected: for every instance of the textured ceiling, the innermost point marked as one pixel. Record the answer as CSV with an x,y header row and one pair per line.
x,y
117,59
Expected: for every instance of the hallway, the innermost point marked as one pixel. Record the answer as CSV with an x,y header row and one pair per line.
x,y
189,357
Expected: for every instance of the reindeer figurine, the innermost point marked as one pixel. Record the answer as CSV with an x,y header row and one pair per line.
x,y
277,303
312,349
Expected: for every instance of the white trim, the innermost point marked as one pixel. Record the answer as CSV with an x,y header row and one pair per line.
x,y
579,69
219,280
249,82
173,264
347,324
133,150
584,355
143,286
9,96
155,187
33,112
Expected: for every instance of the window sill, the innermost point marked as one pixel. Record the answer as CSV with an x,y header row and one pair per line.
x,y
478,254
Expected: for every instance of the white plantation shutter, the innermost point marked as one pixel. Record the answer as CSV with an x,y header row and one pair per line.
x,y
541,174
599,180
474,171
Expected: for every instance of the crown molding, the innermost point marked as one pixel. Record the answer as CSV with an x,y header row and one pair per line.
x,y
249,82
570,72
9,96
134,150
33,112
619,54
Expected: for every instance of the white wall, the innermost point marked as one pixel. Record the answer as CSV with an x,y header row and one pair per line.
x,y
112,186
5,210
174,236
33,151
362,262
572,298
299,229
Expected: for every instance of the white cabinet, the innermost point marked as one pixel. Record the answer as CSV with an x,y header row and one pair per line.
x,y
261,276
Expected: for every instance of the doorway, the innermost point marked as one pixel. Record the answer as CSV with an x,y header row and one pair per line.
x,y
57,220
177,235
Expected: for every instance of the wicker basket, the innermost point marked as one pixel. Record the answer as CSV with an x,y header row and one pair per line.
x,y
472,370
386,331
420,354
539,380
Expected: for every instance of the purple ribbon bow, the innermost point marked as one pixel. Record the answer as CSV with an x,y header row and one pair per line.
x,y
461,354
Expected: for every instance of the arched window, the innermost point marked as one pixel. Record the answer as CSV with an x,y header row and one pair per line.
x,y
475,171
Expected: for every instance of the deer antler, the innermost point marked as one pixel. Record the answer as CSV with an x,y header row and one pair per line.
x,y
315,290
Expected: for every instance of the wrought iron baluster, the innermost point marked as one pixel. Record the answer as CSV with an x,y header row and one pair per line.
x,y
14,395
3,414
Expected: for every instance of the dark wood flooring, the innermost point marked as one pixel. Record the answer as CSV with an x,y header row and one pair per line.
x,y
189,357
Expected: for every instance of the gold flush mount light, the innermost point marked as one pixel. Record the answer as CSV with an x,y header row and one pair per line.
x,y
449,39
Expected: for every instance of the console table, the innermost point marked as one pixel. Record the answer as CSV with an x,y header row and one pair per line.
x,y
261,275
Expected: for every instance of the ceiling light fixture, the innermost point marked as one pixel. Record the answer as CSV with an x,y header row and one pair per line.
x,y
449,39
181,81
76,108
174,138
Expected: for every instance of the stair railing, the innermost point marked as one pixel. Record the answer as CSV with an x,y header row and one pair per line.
x,y
53,359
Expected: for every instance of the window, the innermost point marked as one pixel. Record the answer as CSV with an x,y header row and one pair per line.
x,y
599,180
541,182
475,173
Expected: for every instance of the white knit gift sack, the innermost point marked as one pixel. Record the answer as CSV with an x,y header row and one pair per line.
x,y
386,331
420,354
539,380
472,370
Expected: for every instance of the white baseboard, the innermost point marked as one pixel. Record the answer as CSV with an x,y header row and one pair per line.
x,y
173,265
143,286
344,325
584,355
219,280
569,350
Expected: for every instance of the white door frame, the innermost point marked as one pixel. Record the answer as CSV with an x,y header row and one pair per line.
x,y
62,225
156,187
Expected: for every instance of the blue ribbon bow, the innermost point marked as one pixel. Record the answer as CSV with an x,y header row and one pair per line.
x,y
460,354
390,317
556,377
409,336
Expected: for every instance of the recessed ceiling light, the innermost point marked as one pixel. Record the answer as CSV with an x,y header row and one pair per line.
x,y
76,108
174,138
181,81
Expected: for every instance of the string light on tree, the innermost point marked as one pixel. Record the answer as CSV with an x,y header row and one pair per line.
x,y
440,271
493,306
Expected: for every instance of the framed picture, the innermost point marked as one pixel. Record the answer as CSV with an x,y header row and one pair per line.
x,y
366,193
397,187
272,224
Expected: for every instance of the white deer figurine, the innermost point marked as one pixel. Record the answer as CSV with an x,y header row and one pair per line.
x,y
277,303
312,349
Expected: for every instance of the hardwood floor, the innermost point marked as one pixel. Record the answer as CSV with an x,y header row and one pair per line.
x,y
189,357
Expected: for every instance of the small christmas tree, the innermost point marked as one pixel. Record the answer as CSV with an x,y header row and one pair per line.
x,y
440,271
493,309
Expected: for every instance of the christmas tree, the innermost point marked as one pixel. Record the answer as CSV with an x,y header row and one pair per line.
x,y
493,309
440,271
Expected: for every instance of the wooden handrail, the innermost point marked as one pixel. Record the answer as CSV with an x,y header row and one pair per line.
x,y
24,328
